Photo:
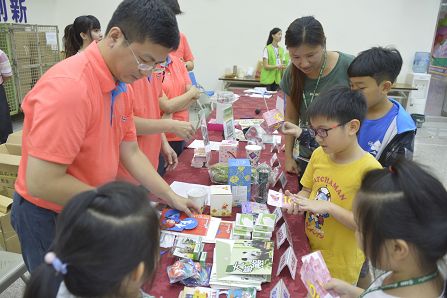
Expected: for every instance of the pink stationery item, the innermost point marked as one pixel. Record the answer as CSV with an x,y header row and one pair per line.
x,y
315,274
227,150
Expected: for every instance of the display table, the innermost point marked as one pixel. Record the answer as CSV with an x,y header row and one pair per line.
x,y
239,82
243,108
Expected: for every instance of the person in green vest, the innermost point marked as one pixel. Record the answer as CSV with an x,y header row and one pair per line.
x,y
274,61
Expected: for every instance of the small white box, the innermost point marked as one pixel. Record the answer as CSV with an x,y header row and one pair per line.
x,y
221,200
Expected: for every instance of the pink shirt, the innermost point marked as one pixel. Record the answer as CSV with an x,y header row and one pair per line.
x,y
68,121
145,94
174,84
5,67
184,51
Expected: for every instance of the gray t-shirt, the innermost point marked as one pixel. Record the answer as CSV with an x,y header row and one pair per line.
x,y
337,77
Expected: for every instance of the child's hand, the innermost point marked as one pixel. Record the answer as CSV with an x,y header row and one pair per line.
x,y
314,206
342,288
288,128
294,208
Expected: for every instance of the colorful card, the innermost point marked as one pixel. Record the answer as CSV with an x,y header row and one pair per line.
x,y
224,231
239,177
278,199
315,274
176,221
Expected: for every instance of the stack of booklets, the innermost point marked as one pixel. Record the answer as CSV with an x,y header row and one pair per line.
x,y
241,264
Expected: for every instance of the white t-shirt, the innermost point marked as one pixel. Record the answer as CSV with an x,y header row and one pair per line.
x,y
380,293
265,55
63,292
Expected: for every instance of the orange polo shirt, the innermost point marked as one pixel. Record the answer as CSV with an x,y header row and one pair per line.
x,y
174,84
145,94
68,121
183,51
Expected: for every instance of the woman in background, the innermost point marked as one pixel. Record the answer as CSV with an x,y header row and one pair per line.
x,y
83,31
274,61
183,51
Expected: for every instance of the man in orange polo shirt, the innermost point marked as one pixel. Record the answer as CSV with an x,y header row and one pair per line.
x,y
79,124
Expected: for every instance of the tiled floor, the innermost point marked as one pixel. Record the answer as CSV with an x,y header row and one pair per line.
x,y
430,150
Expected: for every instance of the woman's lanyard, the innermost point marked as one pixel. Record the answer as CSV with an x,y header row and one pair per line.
x,y
323,66
403,283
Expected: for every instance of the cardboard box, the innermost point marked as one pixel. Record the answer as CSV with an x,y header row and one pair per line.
x,y
265,222
227,150
239,177
15,138
273,120
9,165
221,200
9,240
244,222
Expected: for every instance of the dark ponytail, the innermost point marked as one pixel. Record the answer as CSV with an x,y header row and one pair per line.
x,y
72,33
403,202
102,236
305,30
272,32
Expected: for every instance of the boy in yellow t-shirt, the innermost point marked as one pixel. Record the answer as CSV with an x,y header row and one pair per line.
x,y
332,179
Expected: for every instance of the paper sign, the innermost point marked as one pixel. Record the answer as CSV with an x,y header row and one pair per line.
x,y
283,180
290,260
220,107
280,104
278,213
281,235
206,139
228,123
280,290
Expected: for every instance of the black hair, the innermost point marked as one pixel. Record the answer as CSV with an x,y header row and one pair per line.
x,y
272,32
102,235
72,38
339,104
174,6
142,20
404,202
382,64
305,30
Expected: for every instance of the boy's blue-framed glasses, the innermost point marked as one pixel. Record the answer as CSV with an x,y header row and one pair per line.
x,y
323,132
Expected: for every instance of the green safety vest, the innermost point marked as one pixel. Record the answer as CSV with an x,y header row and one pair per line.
x,y
270,76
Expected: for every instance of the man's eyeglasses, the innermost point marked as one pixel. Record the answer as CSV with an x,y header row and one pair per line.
x,y
322,132
142,67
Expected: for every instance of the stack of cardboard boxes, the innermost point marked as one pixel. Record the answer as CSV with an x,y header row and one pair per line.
x,y
10,154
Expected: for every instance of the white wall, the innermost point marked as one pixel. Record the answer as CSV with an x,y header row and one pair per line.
x,y
223,33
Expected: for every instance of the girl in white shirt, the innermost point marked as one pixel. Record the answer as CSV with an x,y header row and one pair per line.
x,y
400,213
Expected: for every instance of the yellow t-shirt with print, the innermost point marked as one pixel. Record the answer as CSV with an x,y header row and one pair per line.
x,y
337,183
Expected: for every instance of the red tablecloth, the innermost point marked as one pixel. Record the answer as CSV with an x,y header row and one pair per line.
x,y
243,108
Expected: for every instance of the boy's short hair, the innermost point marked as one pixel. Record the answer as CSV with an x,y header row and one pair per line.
x,y
339,104
382,64
142,20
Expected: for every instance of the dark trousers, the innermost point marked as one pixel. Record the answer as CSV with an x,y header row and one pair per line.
x,y
272,87
178,147
35,227
5,118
